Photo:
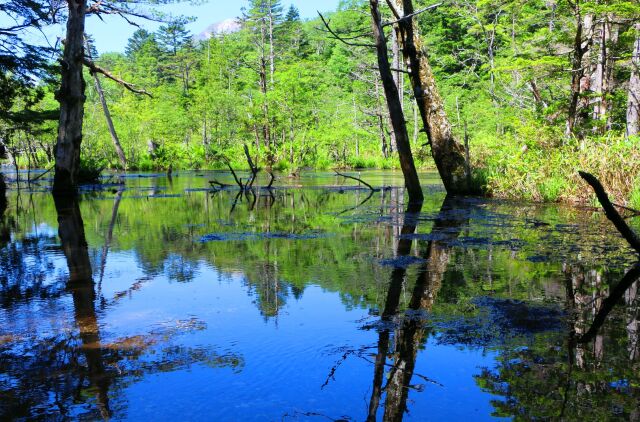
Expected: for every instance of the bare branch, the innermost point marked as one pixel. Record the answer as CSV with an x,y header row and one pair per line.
x,y
94,68
400,19
358,179
339,38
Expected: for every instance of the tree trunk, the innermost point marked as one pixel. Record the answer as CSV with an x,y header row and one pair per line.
x,y
272,56
396,115
380,116
602,79
447,153
107,116
633,105
577,71
71,97
266,129
397,77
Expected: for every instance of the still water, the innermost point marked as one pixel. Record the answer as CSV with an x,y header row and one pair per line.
x,y
163,299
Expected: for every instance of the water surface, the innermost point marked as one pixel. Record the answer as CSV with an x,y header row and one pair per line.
x,y
163,299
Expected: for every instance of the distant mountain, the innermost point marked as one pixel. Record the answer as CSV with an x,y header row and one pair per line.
x,y
227,26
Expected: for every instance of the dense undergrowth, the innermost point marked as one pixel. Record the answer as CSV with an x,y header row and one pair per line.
x,y
537,172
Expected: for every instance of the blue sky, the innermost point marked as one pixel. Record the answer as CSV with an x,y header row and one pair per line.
x,y
113,33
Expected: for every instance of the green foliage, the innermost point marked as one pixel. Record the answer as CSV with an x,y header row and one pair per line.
x,y
90,170
301,98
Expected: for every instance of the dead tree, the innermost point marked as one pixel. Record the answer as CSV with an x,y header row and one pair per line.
x,y
71,94
71,97
107,114
246,186
396,115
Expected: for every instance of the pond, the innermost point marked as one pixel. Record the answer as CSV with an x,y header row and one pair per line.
x,y
165,299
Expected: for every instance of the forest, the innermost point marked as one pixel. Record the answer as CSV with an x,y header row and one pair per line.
x,y
539,89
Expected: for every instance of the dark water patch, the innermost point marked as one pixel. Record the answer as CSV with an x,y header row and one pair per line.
x,y
401,261
142,175
221,237
539,258
498,321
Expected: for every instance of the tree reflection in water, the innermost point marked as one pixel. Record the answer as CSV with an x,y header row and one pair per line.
x,y
411,329
43,376
64,350
585,369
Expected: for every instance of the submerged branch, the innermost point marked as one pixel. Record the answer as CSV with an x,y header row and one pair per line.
x,y
358,179
611,213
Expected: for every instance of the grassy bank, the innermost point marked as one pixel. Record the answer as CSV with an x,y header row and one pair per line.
x,y
538,171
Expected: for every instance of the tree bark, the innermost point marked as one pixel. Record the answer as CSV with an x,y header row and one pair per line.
x,y
633,105
447,153
403,145
379,117
397,76
603,75
71,97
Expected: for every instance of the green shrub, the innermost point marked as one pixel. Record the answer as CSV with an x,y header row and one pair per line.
x,y
552,188
90,170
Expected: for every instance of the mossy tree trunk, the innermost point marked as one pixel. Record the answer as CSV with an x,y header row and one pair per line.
x,y
447,153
